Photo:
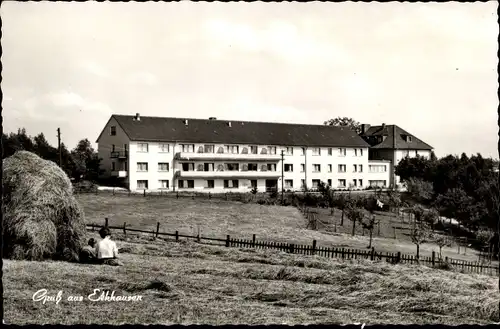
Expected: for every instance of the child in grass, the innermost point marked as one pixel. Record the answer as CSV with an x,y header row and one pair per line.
x,y
88,253
106,250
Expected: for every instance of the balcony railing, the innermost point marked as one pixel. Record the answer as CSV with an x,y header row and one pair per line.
x,y
227,156
119,155
119,173
227,174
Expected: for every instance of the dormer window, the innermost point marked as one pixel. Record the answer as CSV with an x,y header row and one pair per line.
x,y
112,131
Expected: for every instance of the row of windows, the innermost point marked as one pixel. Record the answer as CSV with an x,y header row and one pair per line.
x,y
234,183
162,166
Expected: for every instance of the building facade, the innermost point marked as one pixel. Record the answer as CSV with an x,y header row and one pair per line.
x,y
174,154
392,144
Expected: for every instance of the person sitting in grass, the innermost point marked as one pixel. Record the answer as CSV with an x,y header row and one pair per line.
x,y
88,253
106,250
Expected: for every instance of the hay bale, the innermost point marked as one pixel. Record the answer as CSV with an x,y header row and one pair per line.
x,y
41,217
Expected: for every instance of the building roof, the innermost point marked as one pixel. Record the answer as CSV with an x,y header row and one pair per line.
x,y
388,142
240,132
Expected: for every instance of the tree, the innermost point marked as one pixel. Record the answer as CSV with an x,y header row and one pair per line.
x,y
86,161
369,224
344,122
342,201
421,190
354,214
394,200
455,203
442,241
417,167
419,231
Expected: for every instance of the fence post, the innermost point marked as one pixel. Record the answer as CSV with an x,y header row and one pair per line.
x,y
209,195
253,240
292,248
314,247
398,259
144,192
226,196
433,258
106,222
227,240
446,259
177,194
157,228
394,232
342,253
372,254
176,235
378,231
93,227
125,228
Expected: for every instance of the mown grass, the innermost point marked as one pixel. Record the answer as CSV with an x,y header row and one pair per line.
x,y
217,218
188,283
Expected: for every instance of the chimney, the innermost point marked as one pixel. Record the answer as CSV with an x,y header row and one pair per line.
x,y
383,125
364,128
229,124
212,118
137,117
185,122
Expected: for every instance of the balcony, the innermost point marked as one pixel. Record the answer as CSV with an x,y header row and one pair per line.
x,y
119,155
119,173
227,156
227,174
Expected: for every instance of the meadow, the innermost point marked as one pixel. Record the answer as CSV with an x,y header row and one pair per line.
x,y
188,283
216,218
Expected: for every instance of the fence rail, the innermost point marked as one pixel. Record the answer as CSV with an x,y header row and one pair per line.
x,y
313,249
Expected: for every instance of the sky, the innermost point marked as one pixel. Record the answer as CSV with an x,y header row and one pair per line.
x,y
430,68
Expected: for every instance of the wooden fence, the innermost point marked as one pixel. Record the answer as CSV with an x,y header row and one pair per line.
x,y
313,249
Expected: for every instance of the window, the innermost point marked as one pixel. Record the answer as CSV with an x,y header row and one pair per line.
x,y
355,168
358,152
360,168
142,147
288,183
341,182
317,168
377,183
164,148
329,182
330,151
208,167
252,167
253,183
302,167
187,148
232,166
163,184
210,183
112,130
113,166
254,149
220,150
272,149
316,151
231,149
233,183
188,166
113,148
342,152
142,184
209,148
289,151
163,166
302,151
271,167
354,183
186,183
377,168
360,182
330,168
342,168
315,183
142,166
408,139
288,167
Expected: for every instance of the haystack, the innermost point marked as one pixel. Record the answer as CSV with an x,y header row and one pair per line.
x,y
41,218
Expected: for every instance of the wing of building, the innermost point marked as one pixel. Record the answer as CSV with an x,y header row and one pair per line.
x,y
158,153
390,142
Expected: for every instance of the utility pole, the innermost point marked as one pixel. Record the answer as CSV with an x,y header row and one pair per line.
x,y
59,146
282,175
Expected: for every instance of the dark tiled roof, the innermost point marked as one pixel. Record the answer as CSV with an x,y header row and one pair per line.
x,y
388,142
240,132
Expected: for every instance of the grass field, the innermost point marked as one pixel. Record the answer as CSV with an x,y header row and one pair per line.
x,y
217,218
194,284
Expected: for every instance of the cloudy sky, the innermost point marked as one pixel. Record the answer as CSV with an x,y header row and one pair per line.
x,y
429,68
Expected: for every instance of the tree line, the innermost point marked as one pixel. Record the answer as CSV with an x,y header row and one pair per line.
x,y
80,163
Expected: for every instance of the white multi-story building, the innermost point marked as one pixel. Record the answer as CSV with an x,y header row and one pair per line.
x,y
392,144
219,156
